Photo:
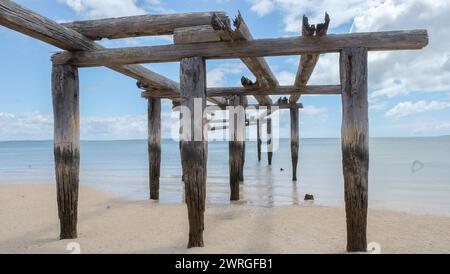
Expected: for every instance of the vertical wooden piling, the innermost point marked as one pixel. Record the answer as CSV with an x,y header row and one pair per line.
x,y
236,144
241,173
258,138
180,143
269,136
154,145
66,144
243,133
294,141
194,144
355,146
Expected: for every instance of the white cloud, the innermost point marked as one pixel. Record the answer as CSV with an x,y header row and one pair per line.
x,y
432,128
39,126
390,73
311,110
26,126
286,78
409,108
262,7
403,72
217,77
326,71
377,106
108,8
293,10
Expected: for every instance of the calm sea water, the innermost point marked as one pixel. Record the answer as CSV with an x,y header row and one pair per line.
x,y
407,174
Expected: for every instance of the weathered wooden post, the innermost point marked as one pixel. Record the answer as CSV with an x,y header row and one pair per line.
x,y
241,173
194,143
294,141
180,143
355,144
154,145
66,144
244,136
269,136
236,123
258,138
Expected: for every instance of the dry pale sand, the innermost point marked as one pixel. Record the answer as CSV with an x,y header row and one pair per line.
x,y
110,224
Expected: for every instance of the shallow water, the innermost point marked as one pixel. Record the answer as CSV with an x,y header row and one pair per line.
x,y
408,174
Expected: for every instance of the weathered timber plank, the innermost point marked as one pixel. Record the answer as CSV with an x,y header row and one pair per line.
x,y
141,25
389,40
196,34
66,143
32,24
280,90
194,144
154,145
355,144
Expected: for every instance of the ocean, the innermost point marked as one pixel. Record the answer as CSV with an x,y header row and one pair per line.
x,y
406,174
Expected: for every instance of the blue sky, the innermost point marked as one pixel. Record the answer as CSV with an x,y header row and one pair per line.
x,y
409,91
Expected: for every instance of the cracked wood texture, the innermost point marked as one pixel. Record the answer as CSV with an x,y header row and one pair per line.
x,y
294,141
154,145
65,94
141,25
32,24
230,91
258,138
355,144
374,41
269,137
236,144
308,61
194,145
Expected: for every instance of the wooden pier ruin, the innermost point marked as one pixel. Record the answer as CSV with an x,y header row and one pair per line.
x,y
198,37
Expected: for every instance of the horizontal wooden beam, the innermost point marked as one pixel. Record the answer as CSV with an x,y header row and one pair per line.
x,y
279,90
280,106
196,34
22,20
141,25
389,40
258,106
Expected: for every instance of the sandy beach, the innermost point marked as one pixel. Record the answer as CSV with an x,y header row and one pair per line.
x,y
110,224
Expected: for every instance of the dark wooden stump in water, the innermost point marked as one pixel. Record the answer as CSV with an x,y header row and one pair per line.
x,y
154,145
258,138
269,137
66,142
294,141
236,144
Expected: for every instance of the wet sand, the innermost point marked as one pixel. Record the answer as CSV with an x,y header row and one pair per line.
x,y
111,224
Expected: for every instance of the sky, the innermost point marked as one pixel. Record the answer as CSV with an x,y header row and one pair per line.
x,y
409,91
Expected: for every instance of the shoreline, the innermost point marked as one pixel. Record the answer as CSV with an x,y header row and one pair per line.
x,y
109,223
244,202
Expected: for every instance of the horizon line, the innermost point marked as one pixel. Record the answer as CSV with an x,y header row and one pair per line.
x,y
287,138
